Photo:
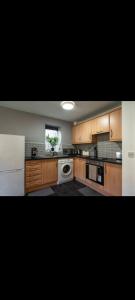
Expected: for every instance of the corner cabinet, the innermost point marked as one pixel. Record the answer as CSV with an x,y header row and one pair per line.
x,y
82,133
116,125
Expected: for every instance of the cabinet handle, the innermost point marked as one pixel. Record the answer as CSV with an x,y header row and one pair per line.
x,y
111,133
105,170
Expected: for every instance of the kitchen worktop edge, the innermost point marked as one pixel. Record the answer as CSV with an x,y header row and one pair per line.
x,y
109,160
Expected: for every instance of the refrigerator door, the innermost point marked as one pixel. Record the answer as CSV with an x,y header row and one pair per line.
x,y
12,183
12,152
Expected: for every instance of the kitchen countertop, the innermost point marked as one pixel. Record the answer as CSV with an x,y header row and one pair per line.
x,y
48,157
109,160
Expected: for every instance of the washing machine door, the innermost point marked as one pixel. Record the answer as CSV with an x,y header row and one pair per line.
x,y
66,170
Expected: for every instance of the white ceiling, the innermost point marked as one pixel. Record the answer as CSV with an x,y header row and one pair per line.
x,y
53,109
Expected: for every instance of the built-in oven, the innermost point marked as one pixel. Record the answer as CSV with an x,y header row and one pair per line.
x,y
95,171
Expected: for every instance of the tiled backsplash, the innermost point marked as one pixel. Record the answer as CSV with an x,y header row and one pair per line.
x,y
109,149
40,146
106,149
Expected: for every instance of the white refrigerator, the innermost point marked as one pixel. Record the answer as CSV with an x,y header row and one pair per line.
x,y
12,157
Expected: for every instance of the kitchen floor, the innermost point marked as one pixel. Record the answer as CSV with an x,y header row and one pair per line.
x,y
72,188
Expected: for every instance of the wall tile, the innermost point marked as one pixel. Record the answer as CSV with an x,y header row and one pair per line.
x,y
106,149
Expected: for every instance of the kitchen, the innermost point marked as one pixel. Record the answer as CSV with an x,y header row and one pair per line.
x,y
67,148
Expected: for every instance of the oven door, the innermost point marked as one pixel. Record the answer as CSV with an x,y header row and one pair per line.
x,y
100,176
93,172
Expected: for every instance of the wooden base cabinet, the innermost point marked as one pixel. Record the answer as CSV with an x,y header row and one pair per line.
x,y
113,179
33,177
40,174
80,168
49,171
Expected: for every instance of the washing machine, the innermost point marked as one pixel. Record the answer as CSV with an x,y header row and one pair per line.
x,y
65,170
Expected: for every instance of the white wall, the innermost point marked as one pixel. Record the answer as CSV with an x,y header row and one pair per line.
x,y
128,129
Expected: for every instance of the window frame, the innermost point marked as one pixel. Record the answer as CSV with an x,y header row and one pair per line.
x,y
58,130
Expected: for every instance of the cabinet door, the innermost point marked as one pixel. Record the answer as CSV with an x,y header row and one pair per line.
x,y
93,125
49,171
113,179
116,125
87,132
81,134
76,167
102,124
74,135
80,168
33,174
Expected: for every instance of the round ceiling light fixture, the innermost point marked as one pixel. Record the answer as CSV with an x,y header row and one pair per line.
x,y
68,105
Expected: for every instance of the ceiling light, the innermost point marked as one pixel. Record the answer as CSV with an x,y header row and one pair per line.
x,y
68,105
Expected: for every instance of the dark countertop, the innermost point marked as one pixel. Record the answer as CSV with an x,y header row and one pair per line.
x,y
48,157
109,160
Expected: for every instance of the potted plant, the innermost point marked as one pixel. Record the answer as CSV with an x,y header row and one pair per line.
x,y
53,141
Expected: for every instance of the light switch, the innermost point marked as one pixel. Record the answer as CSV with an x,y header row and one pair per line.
x,y
131,154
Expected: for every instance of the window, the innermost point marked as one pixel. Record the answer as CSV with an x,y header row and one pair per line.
x,y
52,131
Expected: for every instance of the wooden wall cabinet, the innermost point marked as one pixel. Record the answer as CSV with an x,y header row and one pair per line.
x,y
79,133
86,132
102,124
76,134
93,126
82,133
116,125
113,179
